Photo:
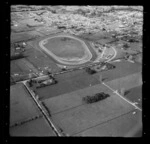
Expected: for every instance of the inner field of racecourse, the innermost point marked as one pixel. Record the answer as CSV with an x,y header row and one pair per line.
x,y
71,61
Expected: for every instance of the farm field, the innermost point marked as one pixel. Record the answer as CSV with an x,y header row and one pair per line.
x,y
123,68
69,108
37,127
14,68
79,79
67,82
127,125
127,82
34,61
22,107
75,119
15,37
38,58
73,99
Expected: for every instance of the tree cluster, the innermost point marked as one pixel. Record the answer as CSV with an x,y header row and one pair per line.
x,y
97,97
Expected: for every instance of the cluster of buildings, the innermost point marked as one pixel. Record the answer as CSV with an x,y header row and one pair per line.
x,y
113,21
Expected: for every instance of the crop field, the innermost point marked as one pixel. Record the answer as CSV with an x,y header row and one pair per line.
x,y
67,82
22,106
37,127
14,68
126,125
78,119
122,69
71,115
22,66
79,79
127,82
73,99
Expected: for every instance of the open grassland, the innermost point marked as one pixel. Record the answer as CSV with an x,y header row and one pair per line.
x,y
127,82
38,127
24,36
102,118
39,59
75,80
14,68
71,100
74,99
127,125
67,82
65,48
75,119
122,69
22,106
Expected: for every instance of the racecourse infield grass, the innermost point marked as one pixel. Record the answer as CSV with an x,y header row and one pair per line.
x,y
35,44
65,47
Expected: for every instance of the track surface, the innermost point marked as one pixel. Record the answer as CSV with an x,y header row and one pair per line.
x,y
73,61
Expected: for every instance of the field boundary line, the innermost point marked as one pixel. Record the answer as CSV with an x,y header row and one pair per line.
x,y
125,99
26,121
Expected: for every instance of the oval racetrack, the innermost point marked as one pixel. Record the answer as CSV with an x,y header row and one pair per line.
x,y
72,52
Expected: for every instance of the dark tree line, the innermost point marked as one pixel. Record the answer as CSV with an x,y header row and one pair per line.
x,y
97,97
15,57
